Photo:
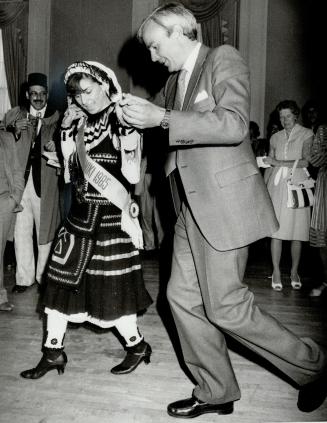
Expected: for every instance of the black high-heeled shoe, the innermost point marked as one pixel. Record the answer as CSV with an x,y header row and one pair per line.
x,y
135,355
51,359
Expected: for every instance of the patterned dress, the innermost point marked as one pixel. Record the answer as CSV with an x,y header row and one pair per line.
x,y
318,229
111,284
293,223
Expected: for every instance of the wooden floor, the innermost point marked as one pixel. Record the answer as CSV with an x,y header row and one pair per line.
x,y
89,393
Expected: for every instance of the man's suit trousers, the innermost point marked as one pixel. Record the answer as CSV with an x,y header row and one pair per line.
x,y
24,246
208,298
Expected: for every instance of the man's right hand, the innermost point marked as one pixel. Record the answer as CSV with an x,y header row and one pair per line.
x,y
140,113
21,124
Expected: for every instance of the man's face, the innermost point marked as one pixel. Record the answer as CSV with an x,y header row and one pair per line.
x,y
163,46
37,96
313,115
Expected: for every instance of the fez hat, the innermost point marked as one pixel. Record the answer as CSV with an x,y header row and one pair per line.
x,y
37,79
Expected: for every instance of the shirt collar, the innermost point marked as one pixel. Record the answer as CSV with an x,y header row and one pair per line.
x,y
190,61
34,112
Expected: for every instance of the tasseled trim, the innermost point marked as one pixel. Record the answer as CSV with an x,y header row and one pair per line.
x,y
131,226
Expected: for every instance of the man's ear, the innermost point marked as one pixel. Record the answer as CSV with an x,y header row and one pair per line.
x,y
27,95
177,31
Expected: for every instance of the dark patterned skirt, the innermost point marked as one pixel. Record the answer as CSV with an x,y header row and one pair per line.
x,y
112,285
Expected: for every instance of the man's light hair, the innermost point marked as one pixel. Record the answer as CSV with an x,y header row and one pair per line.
x,y
169,15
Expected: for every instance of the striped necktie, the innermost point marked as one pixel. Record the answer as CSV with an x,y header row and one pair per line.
x,y
170,164
38,118
180,90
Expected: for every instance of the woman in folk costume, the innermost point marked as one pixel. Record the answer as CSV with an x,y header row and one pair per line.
x,y
94,273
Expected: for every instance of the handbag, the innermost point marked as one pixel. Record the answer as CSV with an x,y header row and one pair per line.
x,y
300,194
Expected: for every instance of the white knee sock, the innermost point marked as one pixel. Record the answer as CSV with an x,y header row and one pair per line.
x,y
127,327
56,329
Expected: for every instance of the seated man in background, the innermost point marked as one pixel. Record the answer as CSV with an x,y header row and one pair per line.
x,y
34,128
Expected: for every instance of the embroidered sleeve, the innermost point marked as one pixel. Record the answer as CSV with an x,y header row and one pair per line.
x,y
128,141
68,147
131,156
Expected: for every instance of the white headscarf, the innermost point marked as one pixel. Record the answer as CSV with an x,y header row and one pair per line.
x,y
99,72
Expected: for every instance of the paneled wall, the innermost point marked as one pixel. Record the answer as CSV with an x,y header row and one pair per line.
x,y
87,30
296,40
286,64
253,47
281,40
141,9
39,25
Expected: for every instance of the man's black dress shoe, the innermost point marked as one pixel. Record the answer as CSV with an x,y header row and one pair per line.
x,y
312,395
19,289
192,407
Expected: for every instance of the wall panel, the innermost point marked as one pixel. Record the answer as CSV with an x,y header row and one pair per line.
x,y
87,30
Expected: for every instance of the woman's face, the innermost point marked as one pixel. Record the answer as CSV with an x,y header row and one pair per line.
x,y
92,98
287,119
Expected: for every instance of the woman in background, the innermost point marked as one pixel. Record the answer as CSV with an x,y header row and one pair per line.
x,y
292,143
94,273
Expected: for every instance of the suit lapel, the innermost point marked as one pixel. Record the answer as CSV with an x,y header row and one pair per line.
x,y
171,85
197,71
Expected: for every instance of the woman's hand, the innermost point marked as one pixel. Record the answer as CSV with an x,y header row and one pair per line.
x,y
119,114
269,160
73,112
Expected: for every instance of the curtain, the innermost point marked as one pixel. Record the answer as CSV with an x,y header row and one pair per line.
x,y
4,96
204,10
211,34
14,51
10,10
207,13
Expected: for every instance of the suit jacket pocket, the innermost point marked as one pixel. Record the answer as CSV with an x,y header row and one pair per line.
x,y
207,104
236,173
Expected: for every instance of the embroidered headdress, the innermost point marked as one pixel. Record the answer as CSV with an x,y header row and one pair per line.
x,y
101,73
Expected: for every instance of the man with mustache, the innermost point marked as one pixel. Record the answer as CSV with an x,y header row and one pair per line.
x,y
34,127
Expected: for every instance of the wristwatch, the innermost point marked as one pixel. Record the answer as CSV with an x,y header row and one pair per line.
x,y
165,121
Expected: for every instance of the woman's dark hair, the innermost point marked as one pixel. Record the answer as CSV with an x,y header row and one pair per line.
x,y
289,104
254,129
311,114
73,86
274,124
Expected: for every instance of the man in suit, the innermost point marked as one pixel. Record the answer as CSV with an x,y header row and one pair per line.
x,y
222,206
34,128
